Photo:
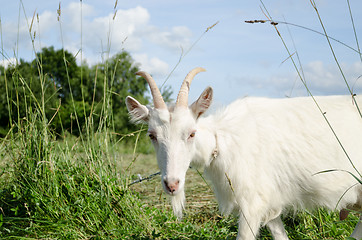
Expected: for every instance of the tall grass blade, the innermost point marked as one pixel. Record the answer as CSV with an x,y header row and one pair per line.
x,y
310,93
314,5
354,30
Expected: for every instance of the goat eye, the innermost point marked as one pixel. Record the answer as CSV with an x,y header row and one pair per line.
x,y
152,137
192,135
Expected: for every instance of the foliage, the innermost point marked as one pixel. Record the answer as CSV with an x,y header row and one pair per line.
x,y
72,95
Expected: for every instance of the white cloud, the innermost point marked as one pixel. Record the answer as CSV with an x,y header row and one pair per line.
x,y
178,37
321,79
129,30
154,66
324,78
6,62
100,31
47,20
15,34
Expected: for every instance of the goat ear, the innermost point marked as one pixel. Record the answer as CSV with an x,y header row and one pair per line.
x,y
202,103
138,112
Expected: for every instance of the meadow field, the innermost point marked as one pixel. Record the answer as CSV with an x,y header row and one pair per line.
x,y
84,187
78,188
58,183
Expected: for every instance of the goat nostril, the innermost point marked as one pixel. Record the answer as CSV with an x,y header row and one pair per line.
x,y
171,186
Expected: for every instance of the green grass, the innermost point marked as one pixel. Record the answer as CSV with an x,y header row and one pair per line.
x,y
64,191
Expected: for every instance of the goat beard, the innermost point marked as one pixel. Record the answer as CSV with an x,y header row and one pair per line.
x,y
178,204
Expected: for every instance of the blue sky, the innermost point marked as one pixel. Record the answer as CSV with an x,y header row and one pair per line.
x,y
241,59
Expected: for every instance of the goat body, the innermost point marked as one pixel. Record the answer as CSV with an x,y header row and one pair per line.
x,y
273,152
263,156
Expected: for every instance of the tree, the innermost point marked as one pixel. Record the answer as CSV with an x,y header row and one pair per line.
x,y
61,67
23,90
118,76
92,96
4,112
76,98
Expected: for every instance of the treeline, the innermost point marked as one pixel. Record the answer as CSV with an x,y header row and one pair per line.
x,y
70,98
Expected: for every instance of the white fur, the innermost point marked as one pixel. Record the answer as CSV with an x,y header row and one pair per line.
x,y
269,155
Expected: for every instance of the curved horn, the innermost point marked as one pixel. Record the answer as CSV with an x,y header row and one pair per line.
x,y
182,97
156,94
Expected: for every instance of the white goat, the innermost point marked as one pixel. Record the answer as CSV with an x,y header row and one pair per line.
x,y
263,156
